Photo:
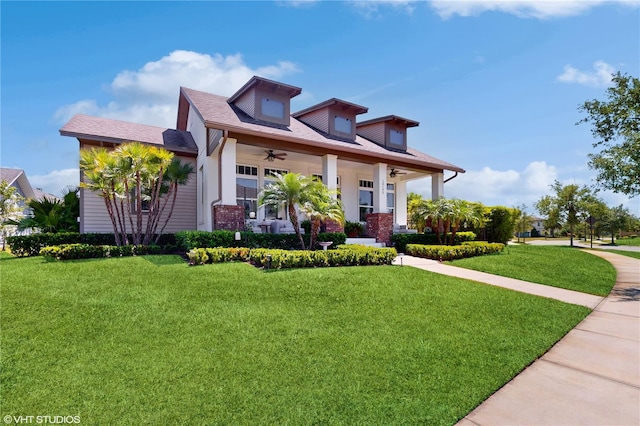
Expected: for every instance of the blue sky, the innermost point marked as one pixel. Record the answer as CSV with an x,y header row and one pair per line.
x,y
495,85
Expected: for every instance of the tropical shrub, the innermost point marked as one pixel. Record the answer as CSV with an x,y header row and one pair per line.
x,y
88,251
188,240
400,241
442,252
30,245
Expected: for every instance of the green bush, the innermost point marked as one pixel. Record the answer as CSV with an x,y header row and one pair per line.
x,y
89,251
30,245
466,249
187,240
201,256
343,256
400,241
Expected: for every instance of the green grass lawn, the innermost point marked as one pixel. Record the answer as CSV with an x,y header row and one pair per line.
x,y
557,266
149,340
633,241
634,254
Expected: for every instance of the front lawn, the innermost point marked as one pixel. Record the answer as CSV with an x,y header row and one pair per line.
x,y
149,340
557,266
629,241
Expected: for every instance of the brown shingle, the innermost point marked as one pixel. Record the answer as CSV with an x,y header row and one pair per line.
x,y
217,113
116,131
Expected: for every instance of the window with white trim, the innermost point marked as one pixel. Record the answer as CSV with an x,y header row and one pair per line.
x,y
271,212
365,199
247,188
391,198
318,177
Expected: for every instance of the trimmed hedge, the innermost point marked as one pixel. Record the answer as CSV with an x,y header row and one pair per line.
x,y
187,240
284,259
89,251
400,241
30,245
466,249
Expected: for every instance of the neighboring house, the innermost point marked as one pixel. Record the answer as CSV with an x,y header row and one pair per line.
x,y
18,179
538,224
236,143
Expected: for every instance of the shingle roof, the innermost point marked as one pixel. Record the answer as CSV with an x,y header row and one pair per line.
x,y
217,113
10,175
115,131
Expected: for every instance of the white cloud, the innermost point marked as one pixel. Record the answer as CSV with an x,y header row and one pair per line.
x,y
371,9
56,181
508,188
600,76
540,9
149,95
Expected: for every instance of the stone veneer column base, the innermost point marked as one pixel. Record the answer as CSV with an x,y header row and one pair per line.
x,y
380,227
227,217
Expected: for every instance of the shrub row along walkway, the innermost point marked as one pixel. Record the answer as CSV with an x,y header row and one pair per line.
x,y
591,376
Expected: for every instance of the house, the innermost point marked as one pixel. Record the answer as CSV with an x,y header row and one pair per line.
x,y
236,144
18,179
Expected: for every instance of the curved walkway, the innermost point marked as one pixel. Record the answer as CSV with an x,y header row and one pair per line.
x,y
591,376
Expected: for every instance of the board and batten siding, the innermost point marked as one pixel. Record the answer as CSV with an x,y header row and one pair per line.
x,y
96,219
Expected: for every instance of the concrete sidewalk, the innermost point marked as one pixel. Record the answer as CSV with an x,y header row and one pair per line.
x,y
590,377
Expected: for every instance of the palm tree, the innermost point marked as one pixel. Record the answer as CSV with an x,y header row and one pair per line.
x,y
320,204
463,213
102,176
177,174
286,191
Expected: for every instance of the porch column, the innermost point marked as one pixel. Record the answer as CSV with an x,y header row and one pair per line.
x,y
228,173
330,179
380,222
401,202
330,171
380,188
437,185
226,213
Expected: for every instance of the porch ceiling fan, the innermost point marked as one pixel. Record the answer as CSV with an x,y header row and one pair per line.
x,y
271,156
395,173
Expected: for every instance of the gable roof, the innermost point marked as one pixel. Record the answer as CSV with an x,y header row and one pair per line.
x,y
217,113
18,178
99,129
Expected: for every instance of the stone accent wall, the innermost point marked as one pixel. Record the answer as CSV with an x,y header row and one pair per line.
x,y
380,227
333,226
230,218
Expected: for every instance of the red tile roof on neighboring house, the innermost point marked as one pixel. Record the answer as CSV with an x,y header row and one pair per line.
x,y
216,112
100,129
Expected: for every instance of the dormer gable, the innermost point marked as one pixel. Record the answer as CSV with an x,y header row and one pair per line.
x,y
265,100
334,117
389,132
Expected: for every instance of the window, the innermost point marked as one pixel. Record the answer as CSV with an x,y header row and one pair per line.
x,y
343,125
271,212
391,198
396,138
318,177
146,198
365,199
247,188
272,108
